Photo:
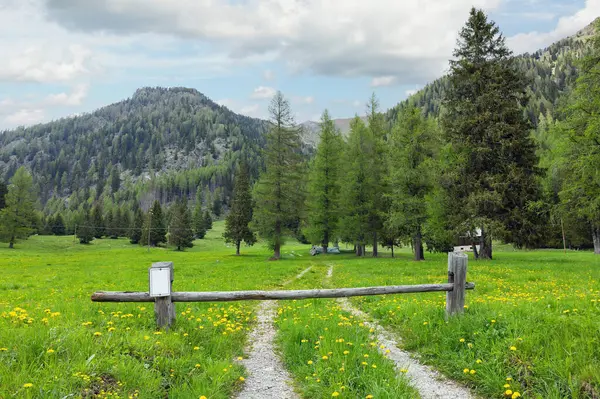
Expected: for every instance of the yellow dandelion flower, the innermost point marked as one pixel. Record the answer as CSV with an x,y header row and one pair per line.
x,y
513,348
310,362
27,385
336,393
202,397
466,371
506,385
242,379
196,348
97,334
346,352
516,395
369,397
324,358
479,361
461,340
472,372
197,365
50,350
508,392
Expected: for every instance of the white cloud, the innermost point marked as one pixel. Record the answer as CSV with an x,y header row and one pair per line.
x,y
566,26
382,81
411,39
303,100
268,75
25,117
356,103
226,102
263,92
75,97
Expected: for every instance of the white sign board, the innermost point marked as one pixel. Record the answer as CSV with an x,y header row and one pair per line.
x,y
160,281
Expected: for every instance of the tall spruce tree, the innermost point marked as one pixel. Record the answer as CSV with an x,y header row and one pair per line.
x,y
85,230
154,226
97,220
237,222
323,197
135,232
277,194
198,221
358,189
18,217
411,176
580,191
494,173
208,221
181,234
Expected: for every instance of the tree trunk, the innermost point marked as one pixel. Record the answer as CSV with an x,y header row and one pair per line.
x,y
375,253
475,252
418,246
277,245
237,248
485,251
364,249
392,250
596,238
359,248
325,243
276,252
11,243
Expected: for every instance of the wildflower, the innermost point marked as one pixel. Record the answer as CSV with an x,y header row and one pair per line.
x,y
310,362
346,352
3,349
27,385
472,372
508,392
466,371
196,348
111,329
97,334
240,358
461,340
325,358
506,385
336,393
242,379
146,337
478,361
374,366
369,397
50,350
425,323
515,395
508,378
513,348
493,321
365,355
202,397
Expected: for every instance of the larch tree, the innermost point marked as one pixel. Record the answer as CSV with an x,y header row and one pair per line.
x,y
3,192
379,205
324,185
58,225
277,194
18,216
411,177
97,220
580,191
494,176
237,222
181,234
358,189
85,231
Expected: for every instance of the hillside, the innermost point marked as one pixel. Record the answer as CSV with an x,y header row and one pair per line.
x,y
550,71
155,131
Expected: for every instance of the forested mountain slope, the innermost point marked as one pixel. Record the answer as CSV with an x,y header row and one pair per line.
x,y
158,132
551,73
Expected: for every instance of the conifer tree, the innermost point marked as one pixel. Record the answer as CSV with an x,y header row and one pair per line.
x,y
97,221
411,176
208,222
181,234
358,188
110,225
58,225
124,223
240,214
154,226
277,194
17,218
199,223
379,205
85,231
135,234
324,185
493,178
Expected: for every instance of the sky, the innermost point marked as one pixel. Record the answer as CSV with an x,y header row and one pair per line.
x,y
64,57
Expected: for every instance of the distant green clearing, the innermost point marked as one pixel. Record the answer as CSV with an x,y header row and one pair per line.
x,y
545,304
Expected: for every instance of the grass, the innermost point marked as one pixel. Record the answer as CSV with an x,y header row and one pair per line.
x,y
545,304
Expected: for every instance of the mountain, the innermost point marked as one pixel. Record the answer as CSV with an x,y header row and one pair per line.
x,y
175,139
550,71
311,129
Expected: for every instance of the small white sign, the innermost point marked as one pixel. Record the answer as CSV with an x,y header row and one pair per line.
x,y
160,281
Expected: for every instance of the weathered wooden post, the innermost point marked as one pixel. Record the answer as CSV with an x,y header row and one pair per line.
x,y
457,275
160,276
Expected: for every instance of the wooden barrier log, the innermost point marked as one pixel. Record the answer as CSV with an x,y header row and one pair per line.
x,y
457,276
226,296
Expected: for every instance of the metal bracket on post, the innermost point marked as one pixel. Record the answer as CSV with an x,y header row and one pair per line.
x,y
457,275
160,276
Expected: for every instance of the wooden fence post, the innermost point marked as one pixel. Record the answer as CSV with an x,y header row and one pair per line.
x,y
457,275
164,308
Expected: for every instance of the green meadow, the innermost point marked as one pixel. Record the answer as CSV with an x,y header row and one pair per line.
x,y
531,326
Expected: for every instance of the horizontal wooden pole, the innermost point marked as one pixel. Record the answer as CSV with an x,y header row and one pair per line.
x,y
226,296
